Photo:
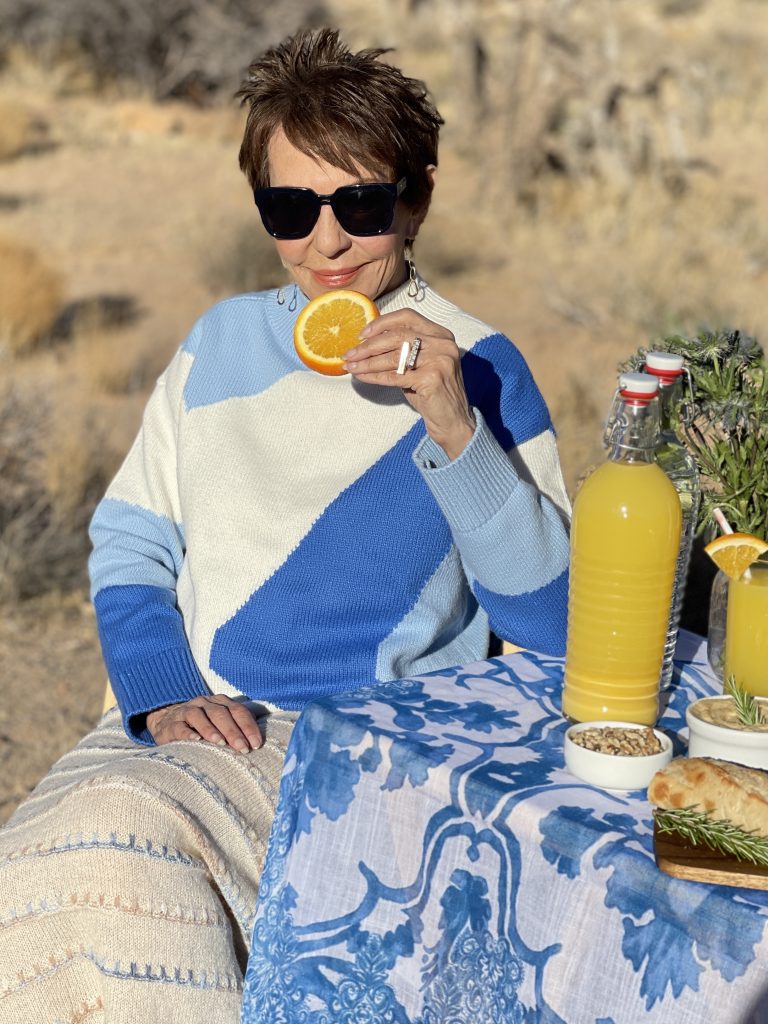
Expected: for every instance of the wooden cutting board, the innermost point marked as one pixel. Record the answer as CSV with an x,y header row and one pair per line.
x,y
674,856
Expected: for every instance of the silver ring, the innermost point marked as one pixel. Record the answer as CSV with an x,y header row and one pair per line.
x,y
413,353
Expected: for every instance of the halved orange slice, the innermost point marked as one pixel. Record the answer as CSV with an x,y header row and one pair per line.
x,y
329,326
735,552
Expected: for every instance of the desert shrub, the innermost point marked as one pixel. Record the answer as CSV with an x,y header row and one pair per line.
x,y
647,263
178,47
54,468
587,91
96,313
116,362
30,297
104,353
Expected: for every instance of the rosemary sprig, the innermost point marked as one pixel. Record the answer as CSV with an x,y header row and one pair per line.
x,y
748,710
699,829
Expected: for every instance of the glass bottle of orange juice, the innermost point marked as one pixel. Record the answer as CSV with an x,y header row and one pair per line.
x,y
625,537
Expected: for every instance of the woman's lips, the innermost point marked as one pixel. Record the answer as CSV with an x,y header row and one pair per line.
x,y
337,277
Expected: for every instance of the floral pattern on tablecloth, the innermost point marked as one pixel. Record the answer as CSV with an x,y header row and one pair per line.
x,y
432,862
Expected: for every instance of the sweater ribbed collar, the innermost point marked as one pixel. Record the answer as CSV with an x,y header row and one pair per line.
x,y
399,298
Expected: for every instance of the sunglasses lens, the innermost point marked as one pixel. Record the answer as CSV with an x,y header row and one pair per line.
x,y
367,210
288,213
360,209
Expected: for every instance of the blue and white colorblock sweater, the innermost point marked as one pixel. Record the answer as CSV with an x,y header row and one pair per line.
x,y
285,535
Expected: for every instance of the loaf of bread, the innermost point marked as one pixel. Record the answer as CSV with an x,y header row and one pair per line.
x,y
730,792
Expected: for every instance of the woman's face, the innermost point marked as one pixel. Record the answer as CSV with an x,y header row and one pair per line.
x,y
328,257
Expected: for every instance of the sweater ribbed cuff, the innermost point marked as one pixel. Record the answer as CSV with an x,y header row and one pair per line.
x,y
472,488
168,677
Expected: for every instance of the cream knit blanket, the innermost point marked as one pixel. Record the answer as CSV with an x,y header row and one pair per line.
x,y
128,880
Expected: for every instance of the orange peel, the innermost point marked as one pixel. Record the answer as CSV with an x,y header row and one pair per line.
x,y
735,552
329,326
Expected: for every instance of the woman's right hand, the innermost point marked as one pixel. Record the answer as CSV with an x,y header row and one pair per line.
x,y
216,718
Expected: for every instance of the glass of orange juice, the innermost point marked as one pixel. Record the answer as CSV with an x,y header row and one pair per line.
x,y
746,630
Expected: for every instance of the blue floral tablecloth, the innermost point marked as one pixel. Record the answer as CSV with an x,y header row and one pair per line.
x,y
433,862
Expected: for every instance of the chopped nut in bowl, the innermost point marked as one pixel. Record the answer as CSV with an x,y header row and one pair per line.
x,y
616,755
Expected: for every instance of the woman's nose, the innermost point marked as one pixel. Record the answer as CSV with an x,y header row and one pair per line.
x,y
329,238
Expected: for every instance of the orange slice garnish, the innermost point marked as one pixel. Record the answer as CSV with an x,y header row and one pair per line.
x,y
329,326
735,552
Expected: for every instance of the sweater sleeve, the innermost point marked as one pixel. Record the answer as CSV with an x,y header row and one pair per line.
x,y
138,550
505,503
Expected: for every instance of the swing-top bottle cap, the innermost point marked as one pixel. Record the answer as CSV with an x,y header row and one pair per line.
x,y
639,386
633,423
664,364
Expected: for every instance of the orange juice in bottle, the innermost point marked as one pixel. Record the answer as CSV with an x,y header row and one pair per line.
x,y
625,537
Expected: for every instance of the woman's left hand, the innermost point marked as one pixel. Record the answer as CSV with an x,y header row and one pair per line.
x,y
434,387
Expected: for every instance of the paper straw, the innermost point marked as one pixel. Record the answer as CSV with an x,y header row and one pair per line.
x,y
721,521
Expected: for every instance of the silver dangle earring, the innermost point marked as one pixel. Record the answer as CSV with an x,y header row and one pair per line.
x,y
292,303
281,290
413,283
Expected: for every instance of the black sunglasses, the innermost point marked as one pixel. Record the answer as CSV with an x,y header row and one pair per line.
x,y
360,209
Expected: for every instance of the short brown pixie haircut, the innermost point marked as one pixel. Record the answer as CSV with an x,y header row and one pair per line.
x,y
349,109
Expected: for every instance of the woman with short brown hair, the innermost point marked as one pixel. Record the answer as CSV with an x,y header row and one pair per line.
x,y
351,110
272,537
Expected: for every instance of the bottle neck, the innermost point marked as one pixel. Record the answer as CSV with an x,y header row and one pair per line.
x,y
635,432
670,397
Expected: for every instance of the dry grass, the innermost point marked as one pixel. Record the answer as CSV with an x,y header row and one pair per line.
x,y
653,260
74,466
106,364
30,297
53,681
54,465
17,129
108,352
30,71
139,118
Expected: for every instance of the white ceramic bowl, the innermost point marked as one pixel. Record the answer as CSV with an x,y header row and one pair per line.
x,y
705,739
614,771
